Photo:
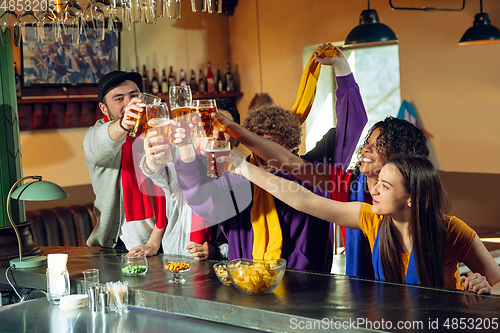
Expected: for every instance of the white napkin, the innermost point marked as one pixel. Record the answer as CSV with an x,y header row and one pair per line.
x,y
56,262
56,265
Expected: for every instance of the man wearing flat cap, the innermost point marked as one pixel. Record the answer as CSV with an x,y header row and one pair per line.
x,y
124,207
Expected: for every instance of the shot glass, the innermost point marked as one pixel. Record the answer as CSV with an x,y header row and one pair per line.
x,y
204,124
148,101
216,149
159,122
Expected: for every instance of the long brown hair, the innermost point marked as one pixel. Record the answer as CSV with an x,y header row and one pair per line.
x,y
428,225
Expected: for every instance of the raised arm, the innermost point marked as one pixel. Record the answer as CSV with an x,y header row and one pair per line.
x,y
296,196
338,150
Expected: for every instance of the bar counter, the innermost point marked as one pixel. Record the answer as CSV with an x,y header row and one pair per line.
x,y
303,301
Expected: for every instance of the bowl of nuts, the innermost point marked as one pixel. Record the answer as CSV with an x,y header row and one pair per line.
x,y
177,266
221,272
256,276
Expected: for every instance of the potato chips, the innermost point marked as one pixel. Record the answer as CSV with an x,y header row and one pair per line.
x,y
257,277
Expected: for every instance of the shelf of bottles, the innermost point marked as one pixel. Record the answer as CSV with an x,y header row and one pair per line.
x,y
202,88
72,107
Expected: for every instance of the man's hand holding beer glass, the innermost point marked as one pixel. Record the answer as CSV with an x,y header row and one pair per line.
x,y
132,114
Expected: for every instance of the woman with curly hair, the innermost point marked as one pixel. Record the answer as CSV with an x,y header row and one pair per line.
x,y
257,226
412,239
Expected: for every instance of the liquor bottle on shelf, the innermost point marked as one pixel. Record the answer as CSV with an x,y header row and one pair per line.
x,y
171,78
192,82
210,79
164,83
18,81
201,83
145,80
229,79
182,78
155,84
220,84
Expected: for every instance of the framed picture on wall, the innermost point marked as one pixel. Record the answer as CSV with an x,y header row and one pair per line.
x,y
65,62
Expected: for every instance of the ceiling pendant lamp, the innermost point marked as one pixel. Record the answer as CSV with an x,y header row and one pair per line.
x,y
481,32
370,32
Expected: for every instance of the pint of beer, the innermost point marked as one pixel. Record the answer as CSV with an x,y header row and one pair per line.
x,y
141,124
205,108
183,116
159,121
180,98
216,149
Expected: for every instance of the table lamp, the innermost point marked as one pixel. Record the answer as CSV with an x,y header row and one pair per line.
x,y
38,190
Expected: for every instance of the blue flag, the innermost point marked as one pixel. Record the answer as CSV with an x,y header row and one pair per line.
x,y
406,112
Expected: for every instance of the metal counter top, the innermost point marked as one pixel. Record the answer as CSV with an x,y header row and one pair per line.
x,y
303,299
40,316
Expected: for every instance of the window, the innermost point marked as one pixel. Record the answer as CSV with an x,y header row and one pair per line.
x,y
376,70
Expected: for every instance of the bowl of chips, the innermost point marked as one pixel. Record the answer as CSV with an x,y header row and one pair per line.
x,y
221,272
256,276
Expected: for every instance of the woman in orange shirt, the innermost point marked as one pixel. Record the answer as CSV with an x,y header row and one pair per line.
x,y
412,239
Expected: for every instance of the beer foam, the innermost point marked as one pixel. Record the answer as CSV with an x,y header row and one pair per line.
x,y
142,105
157,122
218,150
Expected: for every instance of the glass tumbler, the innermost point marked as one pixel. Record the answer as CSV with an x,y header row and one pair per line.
x,y
134,265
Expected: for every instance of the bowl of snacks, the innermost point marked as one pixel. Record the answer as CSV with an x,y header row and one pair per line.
x,y
135,264
177,266
256,276
221,272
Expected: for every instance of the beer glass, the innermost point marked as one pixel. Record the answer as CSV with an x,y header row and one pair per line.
x,y
173,9
149,10
119,16
135,8
141,124
70,22
9,20
216,149
47,26
205,108
159,121
197,6
28,19
180,99
93,20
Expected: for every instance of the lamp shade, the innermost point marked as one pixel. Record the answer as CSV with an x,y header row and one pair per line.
x,y
40,190
481,32
370,32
